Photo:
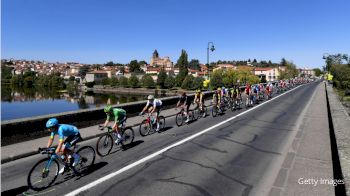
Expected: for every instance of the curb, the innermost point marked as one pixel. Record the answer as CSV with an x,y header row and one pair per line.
x,y
341,136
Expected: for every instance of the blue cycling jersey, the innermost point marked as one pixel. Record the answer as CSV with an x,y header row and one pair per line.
x,y
65,131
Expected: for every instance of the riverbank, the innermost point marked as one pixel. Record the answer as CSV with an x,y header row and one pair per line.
x,y
139,91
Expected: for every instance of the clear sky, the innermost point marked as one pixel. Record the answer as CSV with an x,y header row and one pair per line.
x,y
97,31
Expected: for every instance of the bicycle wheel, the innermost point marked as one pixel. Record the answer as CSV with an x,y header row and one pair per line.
x,y
104,145
205,109
214,111
128,135
161,122
195,114
145,127
86,159
43,175
179,119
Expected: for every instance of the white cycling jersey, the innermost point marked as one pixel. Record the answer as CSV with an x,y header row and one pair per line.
x,y
156,102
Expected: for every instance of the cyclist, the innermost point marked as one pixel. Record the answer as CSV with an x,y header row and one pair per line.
x,y
64,147
248,92
119,120
198,99
184,102
217,99
153,105
235,94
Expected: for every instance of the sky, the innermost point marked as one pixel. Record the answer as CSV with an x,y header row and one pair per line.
x,y
97,31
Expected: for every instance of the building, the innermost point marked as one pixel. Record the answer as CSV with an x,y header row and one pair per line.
x,y
270,73
156,61
96,76
307,72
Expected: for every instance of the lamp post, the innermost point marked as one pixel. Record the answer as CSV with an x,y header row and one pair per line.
x,y
212,48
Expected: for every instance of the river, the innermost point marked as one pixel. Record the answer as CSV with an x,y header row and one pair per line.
x,y
19,102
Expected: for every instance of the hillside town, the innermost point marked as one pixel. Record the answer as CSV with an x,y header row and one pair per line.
x,y
96,73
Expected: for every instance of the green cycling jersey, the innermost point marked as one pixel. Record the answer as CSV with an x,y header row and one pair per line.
x,y
117,113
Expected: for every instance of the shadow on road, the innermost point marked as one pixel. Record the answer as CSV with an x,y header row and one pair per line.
x,y
15,191
135,143
92,169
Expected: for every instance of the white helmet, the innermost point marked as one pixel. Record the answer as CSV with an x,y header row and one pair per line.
x,y
150,97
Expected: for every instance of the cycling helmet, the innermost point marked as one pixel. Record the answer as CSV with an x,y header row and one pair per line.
x,y
52,122
108,108
198,90
219,89
150,97
184,93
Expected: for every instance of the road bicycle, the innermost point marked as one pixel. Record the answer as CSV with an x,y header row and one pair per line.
x,y
215,110
249,102
150,124
44,173
180,116
105,142
201,110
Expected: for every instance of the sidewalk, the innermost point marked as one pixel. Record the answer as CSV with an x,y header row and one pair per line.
x,y
308,164
28,148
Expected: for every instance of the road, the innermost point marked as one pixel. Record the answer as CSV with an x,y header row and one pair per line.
x,y
242,156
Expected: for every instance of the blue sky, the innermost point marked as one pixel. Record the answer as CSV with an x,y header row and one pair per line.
x,y
97,31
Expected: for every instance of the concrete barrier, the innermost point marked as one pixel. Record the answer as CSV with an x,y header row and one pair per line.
x,y
19,130
341,127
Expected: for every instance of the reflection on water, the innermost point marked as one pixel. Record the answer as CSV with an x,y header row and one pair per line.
x,y
19,102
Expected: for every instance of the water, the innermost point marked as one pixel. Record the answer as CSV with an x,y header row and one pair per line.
x,y
28,102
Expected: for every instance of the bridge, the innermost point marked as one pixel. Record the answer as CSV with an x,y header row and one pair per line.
x,y
281,146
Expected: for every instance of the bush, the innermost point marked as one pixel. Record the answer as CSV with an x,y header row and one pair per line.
x,y
188,82
169,82
90,84
147,81
105,81
123,82
134,81
198,83
114,81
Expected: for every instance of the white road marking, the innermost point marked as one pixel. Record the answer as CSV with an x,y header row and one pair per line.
x,y
149,157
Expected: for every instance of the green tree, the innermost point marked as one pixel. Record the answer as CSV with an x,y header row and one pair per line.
x,y
89,84
71,79
83,70
109,63
194,64
161,78
123,82
134,66
134,81
318,72
106,81
6,72
216,79
283,62
182,63
142,63
198,83
169,82
28,81
147,81
114,81
188,82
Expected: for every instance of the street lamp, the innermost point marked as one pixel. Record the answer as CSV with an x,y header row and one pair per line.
x,y
212,48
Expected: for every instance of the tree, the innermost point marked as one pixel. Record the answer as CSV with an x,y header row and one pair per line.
x,y
114,81
161,78
109,63
134,66
106,81
283,62
255,61
216,79
147,81
123,81
194,64
188,82
169,82
90,84
142,63
198,83
83,70
134,81
318,71
71,78
182,63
